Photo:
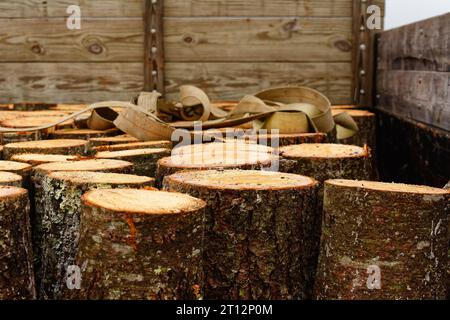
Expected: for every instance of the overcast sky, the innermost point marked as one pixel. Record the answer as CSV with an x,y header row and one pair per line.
x,y
401,12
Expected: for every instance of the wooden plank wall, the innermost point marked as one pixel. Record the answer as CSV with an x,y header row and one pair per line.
x,y
413,73
227,47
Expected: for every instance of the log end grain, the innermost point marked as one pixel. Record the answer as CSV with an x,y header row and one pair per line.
x,y
57,146
10,179
14,166
324,151
38,158
135,145
84,134
137,201
101,178
103,165
112,140
123,154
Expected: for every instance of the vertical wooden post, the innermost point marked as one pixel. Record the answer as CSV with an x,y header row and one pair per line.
x,y
363,56
154,46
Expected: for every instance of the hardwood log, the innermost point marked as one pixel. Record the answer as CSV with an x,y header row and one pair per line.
x,y
16,262
214,160
257,230
144,160
35,159
383,241
10,179
84,134
135,145
61,202
60,146
106,141
367,124
140,244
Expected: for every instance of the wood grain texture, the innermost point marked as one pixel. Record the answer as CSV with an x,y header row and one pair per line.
x,y
196,39
257,39
135,8
416,95
231,81
70,82
423,45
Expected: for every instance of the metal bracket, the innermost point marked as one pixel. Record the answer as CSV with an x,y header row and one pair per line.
x,y
154,46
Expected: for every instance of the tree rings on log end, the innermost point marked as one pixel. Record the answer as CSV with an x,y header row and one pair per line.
x,y
257,231
144,160
59,146
107,178
20,168
37,158
135,145
323,151
16,263
10,179
101,165
84,134
383,241
140,244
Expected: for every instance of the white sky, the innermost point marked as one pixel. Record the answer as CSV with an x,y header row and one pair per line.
x,y
401,12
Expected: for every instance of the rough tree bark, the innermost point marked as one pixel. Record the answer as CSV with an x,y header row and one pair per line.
x,y
10,179
37,190
140,244
257,230
383,241
16,262
61,198
61,146
144,160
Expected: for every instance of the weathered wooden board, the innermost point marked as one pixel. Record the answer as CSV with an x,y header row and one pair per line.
x,y
228,81
185,39
416,95
50,40
70,82
423,45
135,8
413,75
88,82
257,39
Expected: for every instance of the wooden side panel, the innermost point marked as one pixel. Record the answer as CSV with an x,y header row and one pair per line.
x,y
70,82
413,72
135,8
229,81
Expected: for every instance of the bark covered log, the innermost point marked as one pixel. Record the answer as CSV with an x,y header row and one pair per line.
x,y
22,169
61,146
144,160
16,262
10,179
59,222
37,190
140,244
367,124
272,140
257,228
214,160
383,241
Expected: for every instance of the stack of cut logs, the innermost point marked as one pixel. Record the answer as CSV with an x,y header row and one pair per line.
x,y
89,214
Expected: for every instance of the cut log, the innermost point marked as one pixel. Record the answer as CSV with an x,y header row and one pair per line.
x,y
61,146
12,137
61,194
135,145
383,241
214,160
35,121
10,179
84,134
144,160
106,141
35,159
235,146
275,140
367,124
22,169
328,161
140,244
16,267
31,106
37,191
256,231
